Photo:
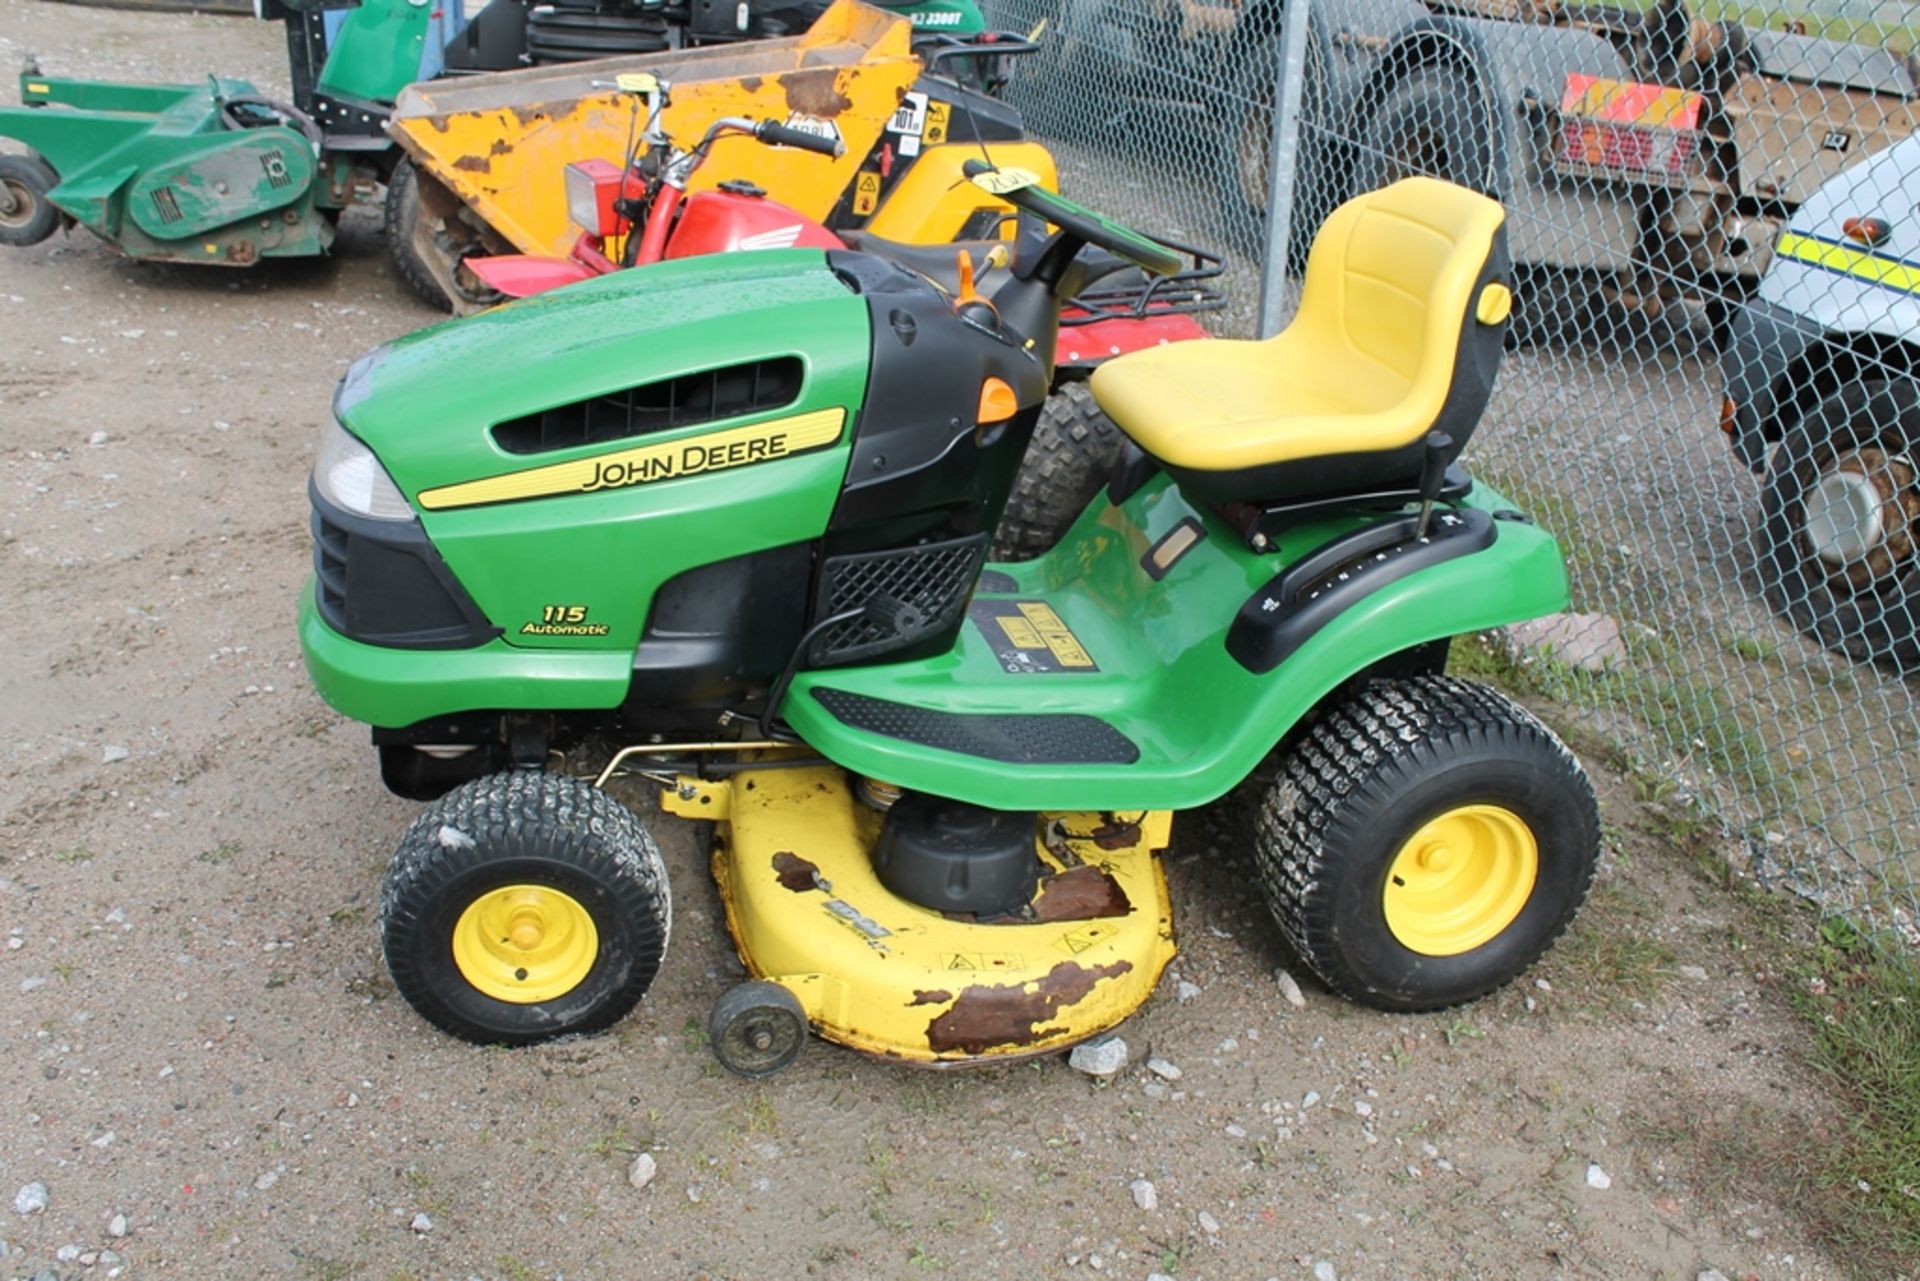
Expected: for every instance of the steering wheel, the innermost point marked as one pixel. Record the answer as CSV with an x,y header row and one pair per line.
x,y
1021,188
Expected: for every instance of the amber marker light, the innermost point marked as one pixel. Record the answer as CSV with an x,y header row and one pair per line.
x,y
1871,232
997,401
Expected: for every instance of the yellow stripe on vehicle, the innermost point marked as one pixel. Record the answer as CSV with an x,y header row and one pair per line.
x,y
687,456
1878,269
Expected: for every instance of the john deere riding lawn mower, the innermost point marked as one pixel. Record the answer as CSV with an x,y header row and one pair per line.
x,y
217,172
721,522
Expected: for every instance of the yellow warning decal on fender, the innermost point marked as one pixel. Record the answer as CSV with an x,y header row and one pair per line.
x,y
1028,637
688,456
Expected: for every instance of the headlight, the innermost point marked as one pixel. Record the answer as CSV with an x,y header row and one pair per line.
x,y
348,475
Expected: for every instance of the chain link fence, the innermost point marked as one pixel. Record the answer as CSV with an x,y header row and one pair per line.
x,y
1711,394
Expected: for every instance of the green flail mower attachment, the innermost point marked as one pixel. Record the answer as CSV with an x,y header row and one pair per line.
x,y
214,172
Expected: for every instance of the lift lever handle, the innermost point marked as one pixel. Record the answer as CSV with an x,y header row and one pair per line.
x,y
1433,474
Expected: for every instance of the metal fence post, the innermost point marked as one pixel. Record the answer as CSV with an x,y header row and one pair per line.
x,y
1280,169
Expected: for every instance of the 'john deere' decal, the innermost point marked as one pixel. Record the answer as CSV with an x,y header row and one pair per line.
x,y
688,456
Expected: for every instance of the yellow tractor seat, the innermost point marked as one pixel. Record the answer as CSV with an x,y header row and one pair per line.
x,y
1398,334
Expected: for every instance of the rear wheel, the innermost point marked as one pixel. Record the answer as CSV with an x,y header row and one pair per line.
x,y
1425,842
27,217
524,906
1434,122
1840,515
1073,451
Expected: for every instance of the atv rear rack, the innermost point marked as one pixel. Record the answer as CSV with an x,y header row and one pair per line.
x,y
1135,297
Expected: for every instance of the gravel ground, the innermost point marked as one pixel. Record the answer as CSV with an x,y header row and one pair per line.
x,y
213,1077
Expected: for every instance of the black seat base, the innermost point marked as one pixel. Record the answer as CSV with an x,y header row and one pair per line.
x,y
1259,523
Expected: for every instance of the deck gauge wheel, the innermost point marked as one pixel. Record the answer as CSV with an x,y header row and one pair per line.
x,y
757,1028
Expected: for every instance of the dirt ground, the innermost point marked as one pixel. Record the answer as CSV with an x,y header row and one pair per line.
x,y
212,1076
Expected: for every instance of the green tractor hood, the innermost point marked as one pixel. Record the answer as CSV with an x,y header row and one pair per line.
x,y
569,454
427,403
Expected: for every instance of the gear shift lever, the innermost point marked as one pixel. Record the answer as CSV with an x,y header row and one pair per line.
x,y
1433,474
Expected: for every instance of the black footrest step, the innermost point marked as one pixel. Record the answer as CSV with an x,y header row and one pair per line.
x,y
1017,738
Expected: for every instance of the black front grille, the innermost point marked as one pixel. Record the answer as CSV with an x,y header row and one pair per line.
x,y
922,589
330,570
382,582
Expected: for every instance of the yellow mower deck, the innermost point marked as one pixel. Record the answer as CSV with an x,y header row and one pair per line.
x,y
500,141
886,976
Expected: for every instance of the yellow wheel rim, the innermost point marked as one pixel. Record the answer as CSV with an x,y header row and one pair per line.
x,y
1460,880
525,943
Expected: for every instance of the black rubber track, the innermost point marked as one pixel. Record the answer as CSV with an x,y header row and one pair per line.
x,y
1073,451
524,827
402,216
1370,772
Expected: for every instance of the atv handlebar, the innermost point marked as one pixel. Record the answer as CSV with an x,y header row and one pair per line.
x,y
936,49
1023,191
779,135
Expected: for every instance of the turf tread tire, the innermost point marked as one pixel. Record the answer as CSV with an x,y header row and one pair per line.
x,y
1346,772
525,825
1074,449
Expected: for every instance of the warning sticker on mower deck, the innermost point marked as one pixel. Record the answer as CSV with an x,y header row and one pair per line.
x,y
1028,637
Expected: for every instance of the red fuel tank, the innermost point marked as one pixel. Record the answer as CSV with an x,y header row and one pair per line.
x,y
713,222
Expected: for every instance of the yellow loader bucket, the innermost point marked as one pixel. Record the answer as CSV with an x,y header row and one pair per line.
x,y
500,141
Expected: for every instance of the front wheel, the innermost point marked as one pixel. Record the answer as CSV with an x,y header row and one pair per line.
x,y
1425,842
524,906
27,217
1838,521
1073,451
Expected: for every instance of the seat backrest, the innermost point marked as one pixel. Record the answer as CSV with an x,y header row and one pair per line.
x,y
1397,276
